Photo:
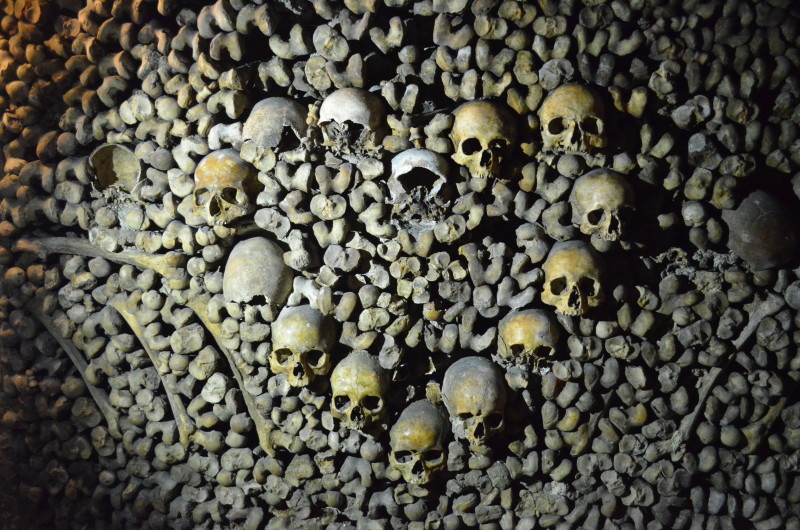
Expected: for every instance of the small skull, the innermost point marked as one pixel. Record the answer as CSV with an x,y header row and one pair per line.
x,y
572,274
601,200
352,123
359,385
484,134
572,118
302,338
418,442
474,392
418,190
255,272
223,184
276,123
527,336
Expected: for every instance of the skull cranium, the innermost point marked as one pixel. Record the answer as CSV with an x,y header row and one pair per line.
x,y
418,190
302,338
255,270
352,123
527,336
600,201
484,134
276,123
572,119
418,442
572,275
359,385
223,186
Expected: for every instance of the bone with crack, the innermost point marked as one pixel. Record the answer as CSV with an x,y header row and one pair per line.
x,y
255,269
600,201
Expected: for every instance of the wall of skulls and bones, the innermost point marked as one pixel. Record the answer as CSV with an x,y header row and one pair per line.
x,y
407,263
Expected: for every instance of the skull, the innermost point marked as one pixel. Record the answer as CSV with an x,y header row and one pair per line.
x,y
276,123
255,269
572,278
474,392
359,384
352,123
572,120
302,338
600,201
417,440
418,190
484,133
527,336
223,184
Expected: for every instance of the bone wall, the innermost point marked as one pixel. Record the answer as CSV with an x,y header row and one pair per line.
x,y
399,263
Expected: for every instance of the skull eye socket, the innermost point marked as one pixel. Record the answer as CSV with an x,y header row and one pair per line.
x,y
542,351
202,196
315,358
471,146
464,416
494,420
587,286
229,194
594,217
558,285
371,403
289,140
418,177
556,126
590,126
283,356
432,456
341,403
403,457
498,145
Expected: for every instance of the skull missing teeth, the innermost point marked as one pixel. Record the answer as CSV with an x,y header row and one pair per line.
x,y
352,123
484,135
418,190
276,123
255,272
572,274
572,118
474,392
527,336
302,339
418,442
601,200
223,185
359,385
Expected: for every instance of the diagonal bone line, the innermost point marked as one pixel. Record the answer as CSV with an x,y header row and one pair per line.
x,y
186,427
100,397
199,305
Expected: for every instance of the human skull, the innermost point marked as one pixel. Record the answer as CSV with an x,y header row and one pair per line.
x,y
572,275
352,123
256,272
418,442
276,123
527,336
572,119
359,384
418,190
601,200
223,184
474,392
484,133
302,338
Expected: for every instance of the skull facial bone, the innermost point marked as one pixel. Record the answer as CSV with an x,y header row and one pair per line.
x,y
276,123
223,185
359,384
418,190
601,199
572,119
484,135
353,123
302,338
527,336
256,273
418,441
572,278
474,392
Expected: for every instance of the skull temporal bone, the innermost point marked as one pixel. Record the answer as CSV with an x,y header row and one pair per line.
x,y
572,275
352,122
223,186
418,442
302,338
600,200
572,119
527,336
359,384
484,134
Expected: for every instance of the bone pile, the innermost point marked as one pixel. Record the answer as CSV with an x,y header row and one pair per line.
x,y
400,264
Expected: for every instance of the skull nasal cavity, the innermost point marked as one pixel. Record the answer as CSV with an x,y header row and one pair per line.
x,y
471,146
480,431
298,370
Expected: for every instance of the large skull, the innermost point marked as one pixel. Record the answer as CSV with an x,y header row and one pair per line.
x,y
601,200
572,118
276,123
223,184
359,385
352,123
256,272
418,442
484,133
418,190
474,392
302,338
572,274
527,336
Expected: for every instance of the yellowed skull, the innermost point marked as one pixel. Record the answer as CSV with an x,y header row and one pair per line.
x,y
418,442
484,134
527,336
572,278
572,120
223,185
256,273
302,339
359,384
601,201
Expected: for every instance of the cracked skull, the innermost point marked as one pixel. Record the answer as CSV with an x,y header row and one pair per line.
x,y
601,201
418,442
484,134
418,190
474,392
223,185
572,119
302,338
359,384
572,274
527,336
352,123
276,123
256,273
